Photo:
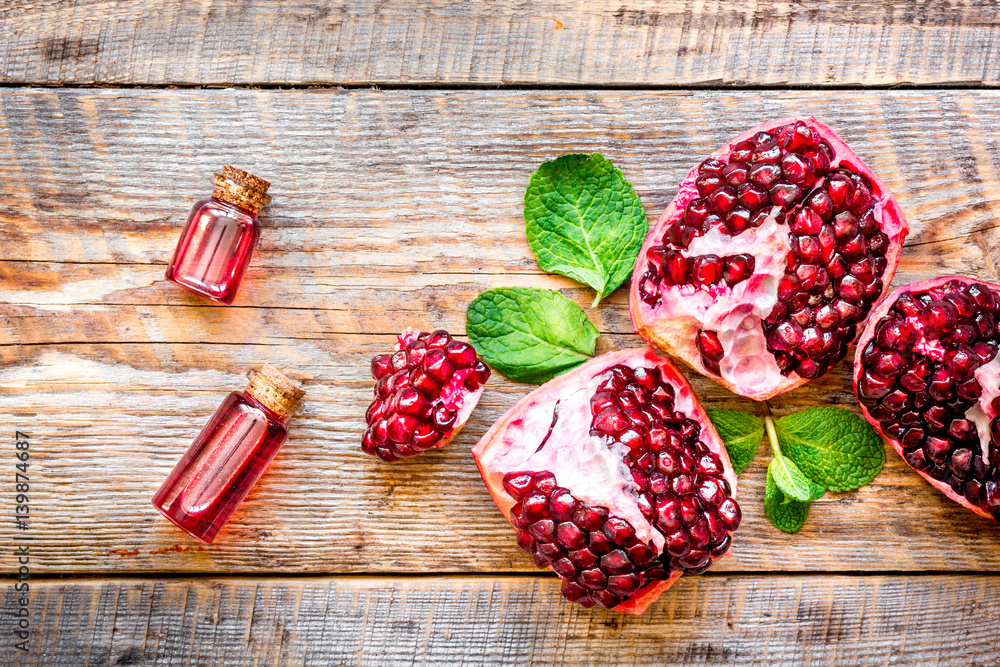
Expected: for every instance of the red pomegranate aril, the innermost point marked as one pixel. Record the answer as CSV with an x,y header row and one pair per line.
x,y
705,270
850,289
735,174
938,319
797,169
461,355
797,136
681,235
722,199
708,183
786,336
768,152
709,345
854,248
676,268
737,220
381,366
807,221
711,165
742,151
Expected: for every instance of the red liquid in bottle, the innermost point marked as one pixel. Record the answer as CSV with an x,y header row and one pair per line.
x,y
229,455
219,238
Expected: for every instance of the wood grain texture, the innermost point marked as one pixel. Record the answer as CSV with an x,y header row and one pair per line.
x,y
589,42
711,620
390,208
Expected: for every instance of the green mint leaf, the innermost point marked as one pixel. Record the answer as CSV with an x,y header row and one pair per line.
x,y
791,481
785,513
741,433
832,446
584,221
529,334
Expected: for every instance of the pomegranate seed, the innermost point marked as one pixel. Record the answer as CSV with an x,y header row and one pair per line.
x,y
462,355
381,366
807,221
822,204
730,513
742,151
711,165
593,579
437,365
765,175
850,289
676,268
681,235
696,213
722,199
784,194
735,174
516,484
752,196
709,345
543,530
737,220
438,339
768,152
937,319
785,336
737,268
590,518
564,568
705,270
797,169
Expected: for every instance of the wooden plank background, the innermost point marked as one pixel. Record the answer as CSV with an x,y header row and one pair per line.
x,y
584,42
449,621
398,206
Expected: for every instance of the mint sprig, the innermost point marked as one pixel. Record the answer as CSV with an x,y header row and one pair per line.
x,y
583,220
529,334
786,473
784,513
813,451
836,448
741,433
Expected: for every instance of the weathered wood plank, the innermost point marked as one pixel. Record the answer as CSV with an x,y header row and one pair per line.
x,y
641,42
411,181
713,620
390,207
108,423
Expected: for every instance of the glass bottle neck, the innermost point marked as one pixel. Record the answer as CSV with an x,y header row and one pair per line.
x,y
268,412
219,201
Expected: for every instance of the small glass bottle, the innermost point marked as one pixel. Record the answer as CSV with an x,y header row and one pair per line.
x,y
220,236
229,455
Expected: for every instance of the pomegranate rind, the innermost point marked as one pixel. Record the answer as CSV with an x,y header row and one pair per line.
x,y
676,336
878,312
491,446
469,401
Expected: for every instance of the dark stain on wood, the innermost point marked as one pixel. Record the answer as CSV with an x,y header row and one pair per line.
x,y
68,48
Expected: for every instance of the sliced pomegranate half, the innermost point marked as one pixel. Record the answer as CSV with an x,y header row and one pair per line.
x,y
928,378
613,476
762,268
424,394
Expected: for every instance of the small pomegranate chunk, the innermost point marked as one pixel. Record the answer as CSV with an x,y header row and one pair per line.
x,y
928,378
424,393
613,476
777,245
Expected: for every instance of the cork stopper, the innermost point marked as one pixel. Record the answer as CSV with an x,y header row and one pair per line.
x,y
241,188
274,390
